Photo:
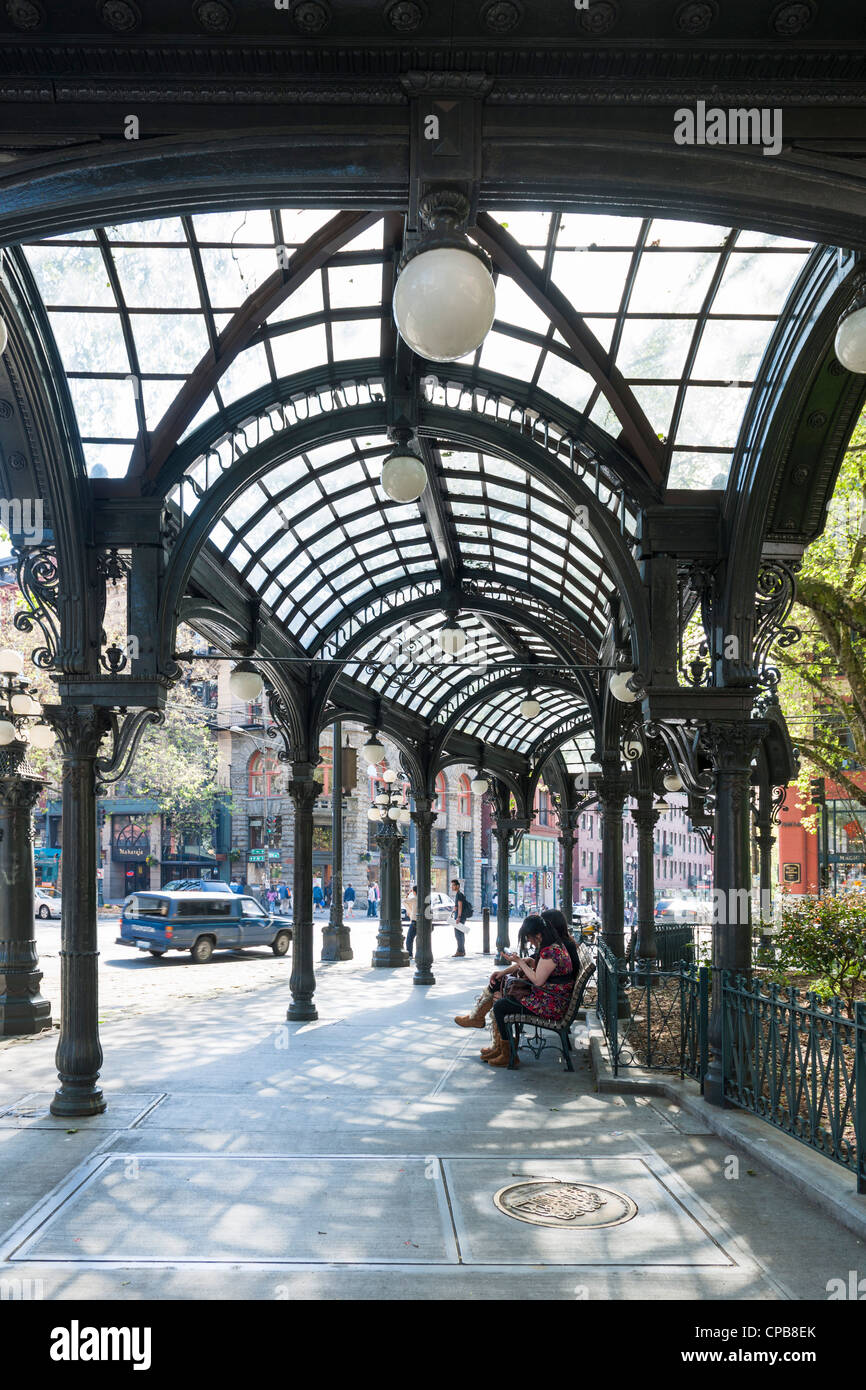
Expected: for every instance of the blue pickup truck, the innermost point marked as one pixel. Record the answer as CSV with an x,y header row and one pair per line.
x,y
200,923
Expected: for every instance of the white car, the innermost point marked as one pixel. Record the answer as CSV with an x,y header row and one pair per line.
x,y
45,906
442,909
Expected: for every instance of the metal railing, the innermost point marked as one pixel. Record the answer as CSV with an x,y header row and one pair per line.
x,y
666,1019
798,1064
786,1057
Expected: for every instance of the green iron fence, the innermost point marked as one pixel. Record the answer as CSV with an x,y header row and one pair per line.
x,y
667,1013
798,1064
788,1059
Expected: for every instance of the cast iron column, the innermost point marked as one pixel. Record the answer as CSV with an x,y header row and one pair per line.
x,y
502,835
615,786
732,746
303,790
567,838
80,731
645,817
336,941
425,818
22,1008
766,839
389,949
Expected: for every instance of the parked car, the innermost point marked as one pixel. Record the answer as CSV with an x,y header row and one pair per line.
x,y
197,885
583,914
200,923
677,910
44,905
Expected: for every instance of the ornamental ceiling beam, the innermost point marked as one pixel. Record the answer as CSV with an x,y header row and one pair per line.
x,y
510,256
257,308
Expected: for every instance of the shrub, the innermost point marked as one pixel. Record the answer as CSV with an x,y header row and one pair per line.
x,y
826,937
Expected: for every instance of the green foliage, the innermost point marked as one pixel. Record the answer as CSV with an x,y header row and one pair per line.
x,y
823,688
825,937
176,766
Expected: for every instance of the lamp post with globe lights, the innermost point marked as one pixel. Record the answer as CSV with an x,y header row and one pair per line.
x,y
22,1008
388,810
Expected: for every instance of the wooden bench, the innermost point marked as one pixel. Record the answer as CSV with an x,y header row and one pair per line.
x,y
542,1025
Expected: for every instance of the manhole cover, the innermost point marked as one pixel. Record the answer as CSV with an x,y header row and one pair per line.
x,y
575,1206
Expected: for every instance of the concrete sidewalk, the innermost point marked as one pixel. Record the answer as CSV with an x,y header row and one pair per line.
x,y
358,1157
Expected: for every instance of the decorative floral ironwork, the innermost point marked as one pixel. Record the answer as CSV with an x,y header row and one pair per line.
x,y
39,581
215,16
121,15
126,731
600,17
791,19
311,17
696,18
682,743
111,566
25,14
405,16
502,16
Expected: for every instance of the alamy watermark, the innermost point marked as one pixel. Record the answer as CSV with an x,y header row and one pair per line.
x,y
22,519
741,125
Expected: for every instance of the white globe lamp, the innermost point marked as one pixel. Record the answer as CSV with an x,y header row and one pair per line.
x,y
530,708
42,736
8,732
452,639
673,783
11,662
373,752
245,682
445,299
479,785
851,336
404,476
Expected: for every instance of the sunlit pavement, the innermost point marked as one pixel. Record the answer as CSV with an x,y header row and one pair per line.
x,y
358,1156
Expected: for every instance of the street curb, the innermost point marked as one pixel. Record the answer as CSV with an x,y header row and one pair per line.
x,y
830,1188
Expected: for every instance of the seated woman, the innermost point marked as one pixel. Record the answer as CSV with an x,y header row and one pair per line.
x,y
500,982
551,976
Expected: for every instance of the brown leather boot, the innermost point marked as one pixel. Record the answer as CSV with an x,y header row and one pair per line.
x,y
479,1013
496,1044
502,1056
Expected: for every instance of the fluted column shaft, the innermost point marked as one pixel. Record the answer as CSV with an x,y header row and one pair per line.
x,y
79,1052
502,835
303,790
645,817
732,746
336,938
22,1008
425,818
566,839
614,789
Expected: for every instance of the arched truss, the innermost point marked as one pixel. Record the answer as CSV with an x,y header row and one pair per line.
x,y
611,553
492,714
560,389
629,321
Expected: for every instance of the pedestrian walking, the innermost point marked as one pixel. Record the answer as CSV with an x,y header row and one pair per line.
x,y
373,900
318,895
412,913
349,900
283,898
462,913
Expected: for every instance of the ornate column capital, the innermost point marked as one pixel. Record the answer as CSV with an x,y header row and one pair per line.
x,y
645,817
733,743
304,791
613,789
80,729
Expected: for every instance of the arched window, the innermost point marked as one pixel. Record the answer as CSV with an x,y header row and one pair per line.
x,y
440,803
324,772
464,796
263,774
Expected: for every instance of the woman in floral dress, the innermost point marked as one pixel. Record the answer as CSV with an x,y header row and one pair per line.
x,y
551,978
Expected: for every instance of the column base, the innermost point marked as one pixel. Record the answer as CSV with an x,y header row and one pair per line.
x,y
424,977
302,1011
72,1100
714,1090
390,957
20,1018
335,944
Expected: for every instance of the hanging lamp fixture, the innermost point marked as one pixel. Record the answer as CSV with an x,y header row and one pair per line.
x,y
445,299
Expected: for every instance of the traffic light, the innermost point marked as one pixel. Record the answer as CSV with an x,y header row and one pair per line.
x,y
100,816
278,827
817,791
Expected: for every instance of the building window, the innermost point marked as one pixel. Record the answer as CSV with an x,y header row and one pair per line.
x,y
440,801
325,770
263,772
464,796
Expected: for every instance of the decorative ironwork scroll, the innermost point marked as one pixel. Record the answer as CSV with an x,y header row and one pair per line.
x,y
682,744
39,581
776,594
126,732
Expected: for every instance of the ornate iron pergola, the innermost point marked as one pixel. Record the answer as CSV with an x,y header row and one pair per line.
x,y
203,377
